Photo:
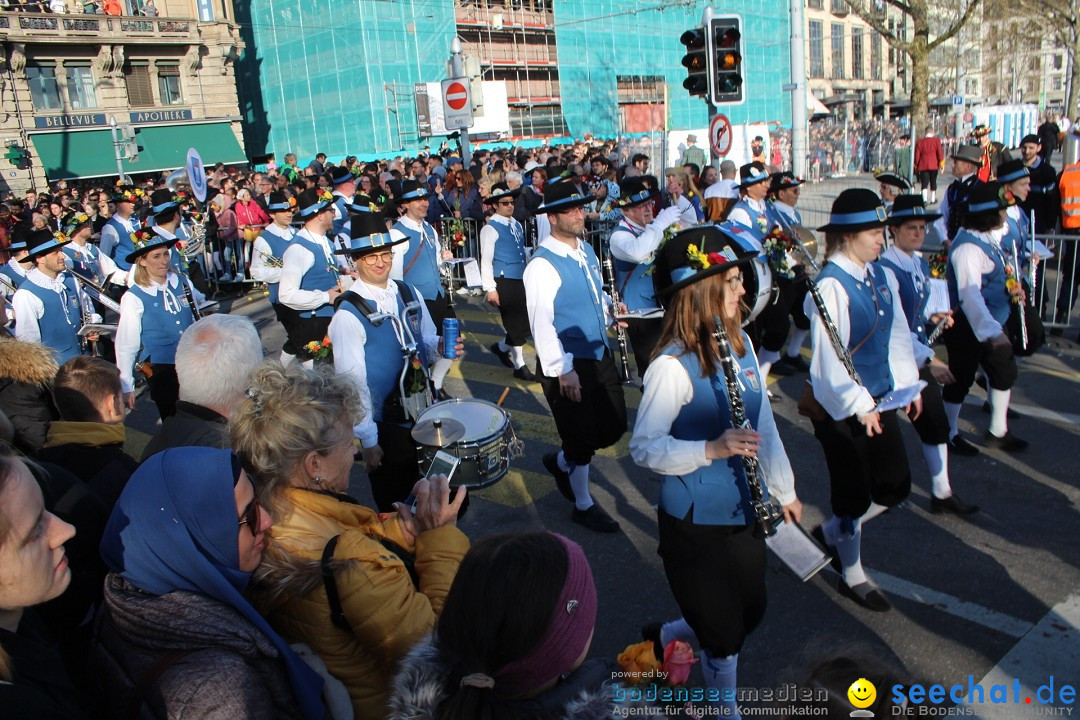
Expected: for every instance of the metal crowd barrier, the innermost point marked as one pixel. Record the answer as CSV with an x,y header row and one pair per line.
x,y
1057,283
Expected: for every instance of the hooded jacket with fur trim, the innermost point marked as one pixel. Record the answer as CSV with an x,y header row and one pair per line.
x,y
26,374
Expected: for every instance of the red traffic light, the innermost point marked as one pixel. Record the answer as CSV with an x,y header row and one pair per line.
x,y
729,37
693,39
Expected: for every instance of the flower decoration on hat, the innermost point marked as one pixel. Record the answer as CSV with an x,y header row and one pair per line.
x,y
292,201
325,195
180,197
60,237
140,238
702,261
1006,196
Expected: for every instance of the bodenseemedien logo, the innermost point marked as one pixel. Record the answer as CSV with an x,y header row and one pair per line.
x,y
862,694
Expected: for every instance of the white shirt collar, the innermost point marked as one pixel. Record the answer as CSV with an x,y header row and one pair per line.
x,y
904,261
168,235
560,248
42,280
508,221
286,233
850,267
758,205
17,267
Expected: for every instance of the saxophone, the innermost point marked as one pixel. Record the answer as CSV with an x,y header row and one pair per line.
x,y
767,514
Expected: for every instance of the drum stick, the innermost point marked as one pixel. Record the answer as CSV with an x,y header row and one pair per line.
x,y
505,392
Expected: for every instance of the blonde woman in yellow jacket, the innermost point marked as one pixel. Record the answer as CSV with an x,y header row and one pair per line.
x,y
391,572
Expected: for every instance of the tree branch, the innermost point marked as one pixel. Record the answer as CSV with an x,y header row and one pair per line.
x,y
880,27
955,27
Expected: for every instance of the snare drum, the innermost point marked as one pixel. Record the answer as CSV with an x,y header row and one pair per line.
x,y
484,450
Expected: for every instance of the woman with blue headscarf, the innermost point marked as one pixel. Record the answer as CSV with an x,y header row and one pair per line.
x,y
176,637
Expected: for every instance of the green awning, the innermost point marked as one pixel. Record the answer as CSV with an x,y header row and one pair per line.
x,y
90,153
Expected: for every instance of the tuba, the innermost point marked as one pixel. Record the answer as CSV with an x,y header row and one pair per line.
x,y
194,247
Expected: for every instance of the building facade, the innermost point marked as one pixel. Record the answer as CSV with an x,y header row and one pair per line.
x,y
339,77
68,77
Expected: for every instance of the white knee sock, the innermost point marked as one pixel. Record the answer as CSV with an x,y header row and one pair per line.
x,y
952,411
439,371
999,408
676,630
517,354
795,341
849,550
765,367
924,192
937,463
720,674
579,482
287,359
564,464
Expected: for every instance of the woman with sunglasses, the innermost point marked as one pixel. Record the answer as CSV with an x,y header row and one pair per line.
x,y
358,587
269,248
713,558
176,635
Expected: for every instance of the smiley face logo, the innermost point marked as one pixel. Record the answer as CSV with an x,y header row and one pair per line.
x,y
862,693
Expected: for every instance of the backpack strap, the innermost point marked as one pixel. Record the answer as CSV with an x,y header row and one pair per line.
x,y
337,614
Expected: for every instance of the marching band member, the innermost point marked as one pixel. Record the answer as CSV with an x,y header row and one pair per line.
x,y
966,163
776,319
166,222
713,558
308,283
84,257
417,262
1015,178
371,354
863,447
344,184
269,249
569,314
983,287
19,264
116,235
890,186
154,313
49,307
502,265
633,244
907,227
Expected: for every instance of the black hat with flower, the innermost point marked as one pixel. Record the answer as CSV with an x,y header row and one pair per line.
x,y
313,201
280,202
1012,170
74,221
145,240
500,191
43,242
361,203
634,191
340,174
894,179
699,252
752,174
128,194
988,197
162,200
783,181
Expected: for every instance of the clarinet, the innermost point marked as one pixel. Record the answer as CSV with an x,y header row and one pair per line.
x,y
936,332
834,334
190,297
767,515
620,331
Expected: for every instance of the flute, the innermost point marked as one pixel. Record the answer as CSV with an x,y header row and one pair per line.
x,y
1023,318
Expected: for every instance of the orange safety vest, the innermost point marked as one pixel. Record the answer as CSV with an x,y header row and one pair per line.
x,y
1069,185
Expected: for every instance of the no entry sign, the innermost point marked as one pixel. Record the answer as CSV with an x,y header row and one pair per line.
x,y
720,135
457,105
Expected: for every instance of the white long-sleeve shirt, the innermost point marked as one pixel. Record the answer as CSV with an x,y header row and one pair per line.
x,y
129,329
739,216
542,283
667,389
488,236
260,270
969,264
723,188
297,261
348,335
641,248
908,264
833,387
29,309
109,238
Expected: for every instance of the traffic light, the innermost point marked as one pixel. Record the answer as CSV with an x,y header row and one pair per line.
x,y
130,143
696,61
18,156
726,73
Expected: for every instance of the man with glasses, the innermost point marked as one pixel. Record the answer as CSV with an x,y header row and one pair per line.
x,y
502,266
264,185
268,250
371,354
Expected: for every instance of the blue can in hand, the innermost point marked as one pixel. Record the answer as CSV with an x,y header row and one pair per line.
x,y
449,337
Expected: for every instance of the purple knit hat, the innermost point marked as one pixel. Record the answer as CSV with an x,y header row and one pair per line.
x,y
568,632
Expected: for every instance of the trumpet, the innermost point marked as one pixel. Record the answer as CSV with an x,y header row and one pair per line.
x,y
271,260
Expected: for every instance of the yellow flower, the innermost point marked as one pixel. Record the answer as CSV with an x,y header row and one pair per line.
x,y
639,662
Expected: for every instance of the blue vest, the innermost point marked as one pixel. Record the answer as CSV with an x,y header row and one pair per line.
x,y
1019,236
60,323
124,245
423,272
161,329
914,295
583,334
633,280
995,293
870,313
756,220
278,246
81,266
777,217
341,216
16,279
508,259
384,357
718,492
320,276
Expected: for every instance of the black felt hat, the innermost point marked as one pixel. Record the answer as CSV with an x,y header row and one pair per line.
x,y
696,253
413,190
1012,170
854,210
988,197
499,191
43,242
313,201
145,240
340,174
910,207
562,196
634,191
280,202
891,178
367,234
752,174
783,181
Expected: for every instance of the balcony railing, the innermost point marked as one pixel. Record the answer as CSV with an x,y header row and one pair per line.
x,y
104,27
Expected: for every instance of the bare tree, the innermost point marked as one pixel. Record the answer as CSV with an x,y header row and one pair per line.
x,y
1061,19
920,14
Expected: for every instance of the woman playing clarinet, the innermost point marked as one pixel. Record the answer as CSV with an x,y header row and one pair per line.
x,y
862,353
707,427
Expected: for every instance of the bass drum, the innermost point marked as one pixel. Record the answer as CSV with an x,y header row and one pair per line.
x,y
757,279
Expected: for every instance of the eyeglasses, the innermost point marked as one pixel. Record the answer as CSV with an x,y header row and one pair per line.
x,y
374,258
504,203
734,283
251,517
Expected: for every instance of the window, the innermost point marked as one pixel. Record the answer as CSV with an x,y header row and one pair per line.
x,y
817,57
140,93
80,87
815,4
169,84
856,53
838,51
838,7
1055,82
44,90
875,56
1058,60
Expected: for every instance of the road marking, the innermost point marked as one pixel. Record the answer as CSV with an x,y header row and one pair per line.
x,y
1051,647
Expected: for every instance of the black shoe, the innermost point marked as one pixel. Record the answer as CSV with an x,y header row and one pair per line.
x,y
959,445
504,356
834,559
1008,442
795,362
1056,331
951,504
524,373
866,595
562,478
1010,413
651,633
781,368
595,519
